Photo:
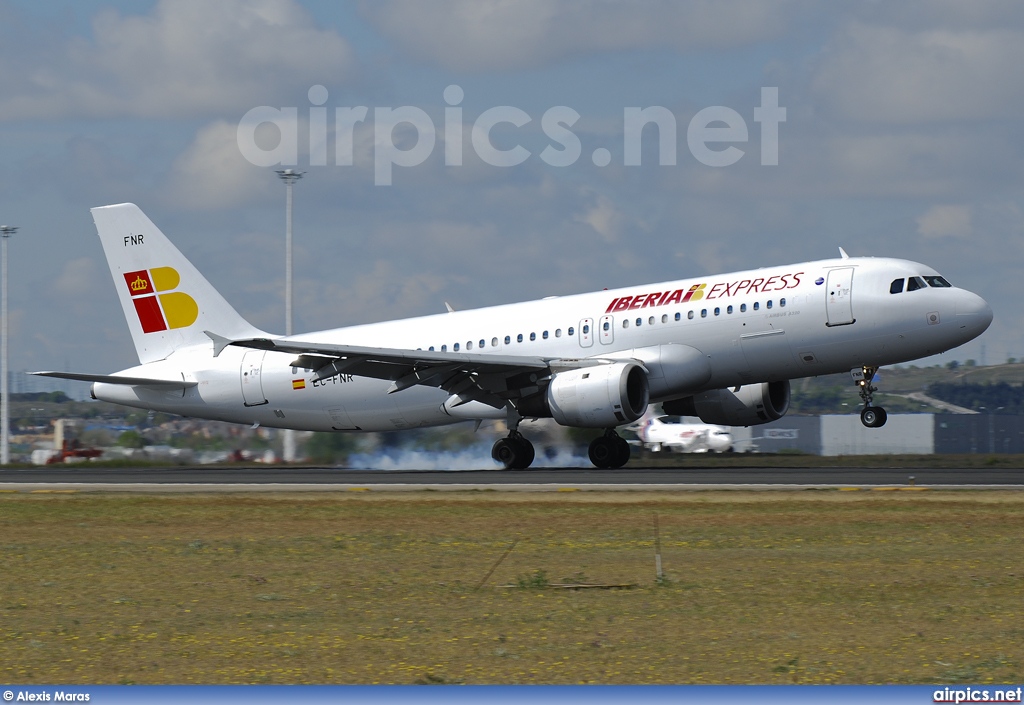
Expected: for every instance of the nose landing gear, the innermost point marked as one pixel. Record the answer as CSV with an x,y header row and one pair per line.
x,y
871,416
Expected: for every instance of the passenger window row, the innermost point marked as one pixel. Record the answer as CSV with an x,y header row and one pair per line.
x,y
729,310
571,331
482,343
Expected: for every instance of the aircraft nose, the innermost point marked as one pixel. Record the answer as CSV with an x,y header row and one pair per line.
x,y
973,313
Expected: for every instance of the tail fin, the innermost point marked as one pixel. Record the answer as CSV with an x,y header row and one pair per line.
x,y
167,302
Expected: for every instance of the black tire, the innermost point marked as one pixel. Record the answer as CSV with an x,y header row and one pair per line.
x,y
873,416
504,452
526,454
513,453
602,452
622,452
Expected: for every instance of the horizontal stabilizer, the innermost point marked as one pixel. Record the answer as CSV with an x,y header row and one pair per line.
x,y
118,379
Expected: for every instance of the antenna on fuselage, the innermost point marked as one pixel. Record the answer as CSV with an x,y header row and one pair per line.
x,y
842,253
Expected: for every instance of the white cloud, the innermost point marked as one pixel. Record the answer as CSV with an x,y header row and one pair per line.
x,y
475,35
904,164
945,221
888,75
80,278
603,218
380,292
186,58
213,174
80,325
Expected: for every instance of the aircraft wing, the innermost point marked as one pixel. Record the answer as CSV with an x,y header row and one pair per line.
x,y
491,379
120,379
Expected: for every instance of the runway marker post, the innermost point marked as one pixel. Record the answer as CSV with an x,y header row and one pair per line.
x,y
659,576
495,566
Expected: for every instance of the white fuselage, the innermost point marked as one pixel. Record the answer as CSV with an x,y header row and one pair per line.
x,y
763,325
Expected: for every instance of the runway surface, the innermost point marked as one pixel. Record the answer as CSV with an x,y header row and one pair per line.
x,y
278,478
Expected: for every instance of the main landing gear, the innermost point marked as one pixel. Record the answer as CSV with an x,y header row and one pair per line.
x,y
513,451
609,450
871,416
516,453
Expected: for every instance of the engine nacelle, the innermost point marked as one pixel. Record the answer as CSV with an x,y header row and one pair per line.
x,y
601,396
749,405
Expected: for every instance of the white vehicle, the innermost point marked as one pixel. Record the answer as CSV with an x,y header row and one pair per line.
x,y
722,348
672,433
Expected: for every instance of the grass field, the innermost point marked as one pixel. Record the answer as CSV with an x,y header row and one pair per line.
x,y
799,587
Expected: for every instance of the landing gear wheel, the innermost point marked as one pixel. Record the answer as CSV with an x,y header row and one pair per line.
x,y
504,451
514,452
873,416
609,451
622,452
528,453
601,452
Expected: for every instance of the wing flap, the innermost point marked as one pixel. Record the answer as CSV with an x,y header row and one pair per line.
x,y
391,355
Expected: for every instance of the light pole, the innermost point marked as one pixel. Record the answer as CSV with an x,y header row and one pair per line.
x,y
289,177
992,429
5,415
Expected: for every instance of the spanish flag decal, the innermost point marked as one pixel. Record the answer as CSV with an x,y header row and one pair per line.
x,y
160,307
298,384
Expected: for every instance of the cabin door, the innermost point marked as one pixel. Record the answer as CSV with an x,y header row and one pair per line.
x,y
252,378
839,304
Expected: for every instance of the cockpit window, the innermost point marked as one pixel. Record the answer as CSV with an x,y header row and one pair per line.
x,y
915,283
938,282
896,287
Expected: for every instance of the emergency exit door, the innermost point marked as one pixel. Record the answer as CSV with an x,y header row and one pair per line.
x,y
586,332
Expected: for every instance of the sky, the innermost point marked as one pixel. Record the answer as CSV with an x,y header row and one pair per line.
x,y
902,138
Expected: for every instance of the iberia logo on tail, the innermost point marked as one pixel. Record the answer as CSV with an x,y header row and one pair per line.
x,y
158,305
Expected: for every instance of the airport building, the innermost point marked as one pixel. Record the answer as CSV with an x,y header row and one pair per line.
x,y
902,434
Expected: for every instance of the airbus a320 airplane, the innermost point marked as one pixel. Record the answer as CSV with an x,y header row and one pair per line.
x,y
719,347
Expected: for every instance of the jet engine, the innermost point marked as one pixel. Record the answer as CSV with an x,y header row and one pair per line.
x,y
749,405
602,396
